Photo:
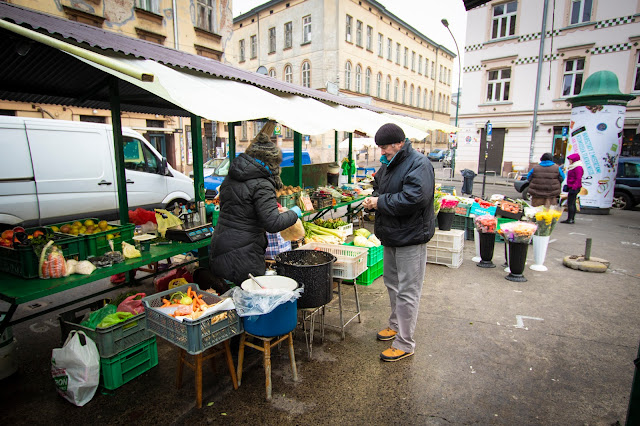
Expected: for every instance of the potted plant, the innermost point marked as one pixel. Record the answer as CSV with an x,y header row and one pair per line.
x,y
447,213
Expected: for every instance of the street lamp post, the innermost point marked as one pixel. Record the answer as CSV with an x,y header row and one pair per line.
x,y
453,155
487,138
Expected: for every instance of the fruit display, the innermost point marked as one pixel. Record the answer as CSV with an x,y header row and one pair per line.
x,y
18,236
86,227
288,190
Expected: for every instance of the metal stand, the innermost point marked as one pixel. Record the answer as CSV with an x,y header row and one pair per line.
x,y
309,316
343,324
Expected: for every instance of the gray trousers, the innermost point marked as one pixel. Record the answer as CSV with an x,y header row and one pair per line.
x,y
404,269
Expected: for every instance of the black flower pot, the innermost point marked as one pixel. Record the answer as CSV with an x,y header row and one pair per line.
x,y
517,260
445,220
487,243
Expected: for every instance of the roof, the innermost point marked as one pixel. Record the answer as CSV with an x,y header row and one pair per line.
x,y
471,4
380,7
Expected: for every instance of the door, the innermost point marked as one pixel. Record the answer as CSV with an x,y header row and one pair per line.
x,y
496,149
559,149
146,186
73,168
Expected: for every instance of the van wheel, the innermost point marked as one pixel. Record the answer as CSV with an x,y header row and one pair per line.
x,y
621,201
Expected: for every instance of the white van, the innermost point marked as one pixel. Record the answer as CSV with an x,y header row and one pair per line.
x,y
54,170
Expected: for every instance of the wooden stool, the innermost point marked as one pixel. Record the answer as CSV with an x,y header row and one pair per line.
x,y
197,367
266,350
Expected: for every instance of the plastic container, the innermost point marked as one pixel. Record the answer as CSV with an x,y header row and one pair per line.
x,y
311,269
288,201
112,340
452,259
479,211
350,261
371,274
283,319
463,209
8,364
193,336
347,229
97,244
452,240
129,364
374,255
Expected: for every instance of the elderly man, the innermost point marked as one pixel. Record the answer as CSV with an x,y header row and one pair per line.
x,y
405,222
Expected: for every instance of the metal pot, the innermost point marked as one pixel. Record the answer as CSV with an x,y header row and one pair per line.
x,y
311,269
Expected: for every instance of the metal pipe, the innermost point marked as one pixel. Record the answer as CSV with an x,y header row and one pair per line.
x,y
453,155
537,95
587,250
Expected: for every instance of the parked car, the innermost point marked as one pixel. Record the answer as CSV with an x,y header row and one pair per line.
x,y
436,155
626,190
213,181
448,158
209,167
626,193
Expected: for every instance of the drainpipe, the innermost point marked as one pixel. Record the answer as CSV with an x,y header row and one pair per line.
x,y
540,63
435,84
176,46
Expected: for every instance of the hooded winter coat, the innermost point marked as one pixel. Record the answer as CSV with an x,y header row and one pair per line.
x,y
248,208
575,172
404,188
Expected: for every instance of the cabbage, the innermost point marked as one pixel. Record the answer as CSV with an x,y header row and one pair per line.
x,y
360,241
362,232
373,239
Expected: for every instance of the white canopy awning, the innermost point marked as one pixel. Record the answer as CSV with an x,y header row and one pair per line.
x,y
358,143
425,125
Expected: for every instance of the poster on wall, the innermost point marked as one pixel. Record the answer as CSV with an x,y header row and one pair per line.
x,y
596,134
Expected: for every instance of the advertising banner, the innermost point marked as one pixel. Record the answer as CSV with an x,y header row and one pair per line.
x,y
596,134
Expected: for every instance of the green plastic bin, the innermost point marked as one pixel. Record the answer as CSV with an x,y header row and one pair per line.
x,y
128,364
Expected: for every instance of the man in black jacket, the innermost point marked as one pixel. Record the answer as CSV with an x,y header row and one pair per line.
x,y
405,222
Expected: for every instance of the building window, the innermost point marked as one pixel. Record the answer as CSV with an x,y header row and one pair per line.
x,y
504,20
288,35
306,29
572,79
242,50
348,28
244,130
272,39
388,87
254,46
433,70
404,92
636,83
367,82
306,74
439,102
411,96
389,44
288,74
449,78
358,78
440,74
413,61
369,38
406,57
379,85
396,89
272,72
431,100
418,92
424,99
420,64
206,15
580,11
359,33
347,75
398,53
380,44
257,126
426,67
498,85
148,5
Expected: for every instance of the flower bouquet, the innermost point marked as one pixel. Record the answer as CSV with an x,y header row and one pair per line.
x,y
546,220
486,224
518,232
448,205
437,198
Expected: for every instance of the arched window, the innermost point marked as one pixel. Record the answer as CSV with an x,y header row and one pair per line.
x,y
411,96
448,104
358,78
306,74
347,75
379,85
439,102
288,74
425,105
418,93
272,72
396,89
404,92
388,87
367,82
431,100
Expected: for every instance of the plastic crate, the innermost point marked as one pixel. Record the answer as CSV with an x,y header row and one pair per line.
x,y
374,255
463,209
448,189
23,261
98,244
351,261
112,340
193,336
347,229
129,364
321,202
452,259
288,201
371,274
479,211
452,240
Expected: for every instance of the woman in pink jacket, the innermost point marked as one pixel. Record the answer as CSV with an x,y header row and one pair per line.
x,y
574,184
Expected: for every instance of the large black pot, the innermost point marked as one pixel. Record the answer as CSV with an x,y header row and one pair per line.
x,y
487,244
311,269
445,220
517,260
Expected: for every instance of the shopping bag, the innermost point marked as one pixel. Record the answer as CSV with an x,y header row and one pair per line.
x,y
131,304
276,245
75,368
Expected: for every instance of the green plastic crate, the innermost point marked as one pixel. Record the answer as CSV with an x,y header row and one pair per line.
x,y
128,364
501,221
23,261
98,244
374,255
288,201
464,223
370,275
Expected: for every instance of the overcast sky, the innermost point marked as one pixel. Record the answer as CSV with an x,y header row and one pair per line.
x,y
423,15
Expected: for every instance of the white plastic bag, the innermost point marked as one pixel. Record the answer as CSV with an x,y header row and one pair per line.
x,y
75,368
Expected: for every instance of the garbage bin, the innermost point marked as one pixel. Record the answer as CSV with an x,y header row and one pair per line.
x,y
467,184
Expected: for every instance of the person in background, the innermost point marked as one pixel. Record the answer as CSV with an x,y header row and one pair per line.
x,y
574,185
545,181
404,223
248,208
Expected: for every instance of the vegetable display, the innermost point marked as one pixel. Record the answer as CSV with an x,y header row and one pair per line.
x,y
189,305
330,223
319,234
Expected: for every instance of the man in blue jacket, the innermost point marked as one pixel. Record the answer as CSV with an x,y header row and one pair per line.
x,y
405,222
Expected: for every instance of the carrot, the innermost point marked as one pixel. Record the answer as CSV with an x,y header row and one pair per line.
x,y
189,291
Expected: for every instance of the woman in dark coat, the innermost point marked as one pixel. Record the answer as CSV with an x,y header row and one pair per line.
x,y
248,208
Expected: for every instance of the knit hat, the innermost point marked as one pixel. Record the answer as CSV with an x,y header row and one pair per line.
x,y
389,133
547,156
263,149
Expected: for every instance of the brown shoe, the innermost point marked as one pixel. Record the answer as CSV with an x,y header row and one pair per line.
x,y
387,334
393,354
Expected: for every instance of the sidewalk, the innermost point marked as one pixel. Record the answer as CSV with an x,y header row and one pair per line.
x,y
558,349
